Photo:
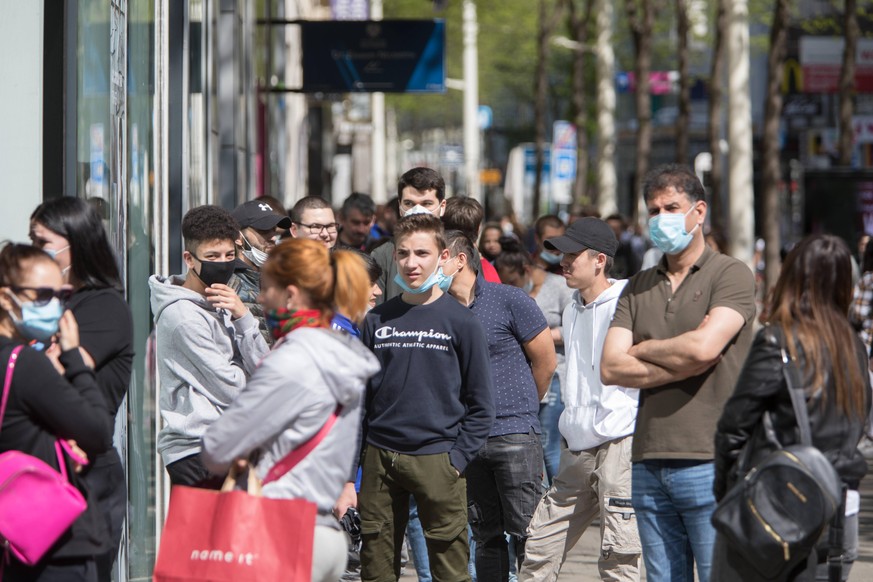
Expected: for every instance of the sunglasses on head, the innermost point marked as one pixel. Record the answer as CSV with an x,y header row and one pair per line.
x,y
45,294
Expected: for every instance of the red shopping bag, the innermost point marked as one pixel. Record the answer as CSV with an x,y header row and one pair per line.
x,y
233,536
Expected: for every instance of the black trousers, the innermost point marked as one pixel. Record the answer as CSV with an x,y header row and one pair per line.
x,y
192,472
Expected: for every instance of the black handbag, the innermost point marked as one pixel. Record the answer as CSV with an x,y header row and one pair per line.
x,y
775,515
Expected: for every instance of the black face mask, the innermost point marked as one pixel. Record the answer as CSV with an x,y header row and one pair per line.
x,y
215,272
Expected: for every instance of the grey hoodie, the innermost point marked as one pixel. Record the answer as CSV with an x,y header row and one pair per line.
x,y
287,400
204,358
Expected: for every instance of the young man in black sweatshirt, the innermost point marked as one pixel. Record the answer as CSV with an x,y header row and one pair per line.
x,y
428,411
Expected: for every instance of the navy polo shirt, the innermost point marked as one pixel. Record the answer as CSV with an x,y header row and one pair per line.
x,y
511,319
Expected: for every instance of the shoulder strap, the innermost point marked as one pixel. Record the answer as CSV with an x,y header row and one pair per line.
x,y
290,460
7,383
798,397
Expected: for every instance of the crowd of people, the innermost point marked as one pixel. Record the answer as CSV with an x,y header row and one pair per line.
x,y
483,393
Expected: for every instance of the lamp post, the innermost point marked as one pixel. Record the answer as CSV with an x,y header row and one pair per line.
x,y
377,112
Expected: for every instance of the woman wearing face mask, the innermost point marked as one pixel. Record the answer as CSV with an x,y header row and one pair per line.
x,y
72,232
551,295
302,287
44,406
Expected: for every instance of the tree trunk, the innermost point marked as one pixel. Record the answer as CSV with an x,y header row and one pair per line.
x,y
607,188
772,172
541,94
847,83
579,25
716,92
641,31
547,23
683,120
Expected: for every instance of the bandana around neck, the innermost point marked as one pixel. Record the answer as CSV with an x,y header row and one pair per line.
x,y
282,321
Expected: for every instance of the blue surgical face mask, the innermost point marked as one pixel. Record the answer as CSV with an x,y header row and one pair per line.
x,y
551,259
53,253
37,322
528,286
445,282
668,233
434,279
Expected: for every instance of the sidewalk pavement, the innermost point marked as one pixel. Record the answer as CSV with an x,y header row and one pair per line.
x,y
581,564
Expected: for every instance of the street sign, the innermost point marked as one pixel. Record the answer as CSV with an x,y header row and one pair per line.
x,y
350,9
565,165
490,177
563,170
486,117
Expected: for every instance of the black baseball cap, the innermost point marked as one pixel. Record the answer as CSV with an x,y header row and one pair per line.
x,y
259,215
585,233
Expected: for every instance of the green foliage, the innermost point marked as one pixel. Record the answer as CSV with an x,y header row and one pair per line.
x,y
829,22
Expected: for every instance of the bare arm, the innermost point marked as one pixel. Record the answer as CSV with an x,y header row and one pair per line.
x,y
619,368
541,352
693,349
348,498
556,336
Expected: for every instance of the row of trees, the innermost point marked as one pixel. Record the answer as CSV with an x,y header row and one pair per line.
x,y
527,82
640,17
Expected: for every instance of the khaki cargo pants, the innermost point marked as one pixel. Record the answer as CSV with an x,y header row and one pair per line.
x,y
592,483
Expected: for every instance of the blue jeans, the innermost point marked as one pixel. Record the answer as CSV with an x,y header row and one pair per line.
x,y
673,501
504,485
550,413
417,543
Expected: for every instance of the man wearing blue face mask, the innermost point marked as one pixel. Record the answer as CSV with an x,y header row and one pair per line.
x,y
207,342
680,333
428,411
504,480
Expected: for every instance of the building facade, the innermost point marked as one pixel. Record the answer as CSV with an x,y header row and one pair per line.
x,y
145,108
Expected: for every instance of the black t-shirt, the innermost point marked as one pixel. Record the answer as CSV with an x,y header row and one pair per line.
x,y
106,333
433,393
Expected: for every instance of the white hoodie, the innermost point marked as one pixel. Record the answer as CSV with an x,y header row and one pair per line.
x,y
593,413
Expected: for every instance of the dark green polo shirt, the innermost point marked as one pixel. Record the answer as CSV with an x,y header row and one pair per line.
x,y
677,420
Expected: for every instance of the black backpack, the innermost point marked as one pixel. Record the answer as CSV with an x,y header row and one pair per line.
x,y
776,514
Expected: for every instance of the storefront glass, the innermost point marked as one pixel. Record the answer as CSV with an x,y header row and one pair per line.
x,y
142,411
115,172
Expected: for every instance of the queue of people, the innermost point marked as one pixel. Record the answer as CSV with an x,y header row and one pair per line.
x,y
452,379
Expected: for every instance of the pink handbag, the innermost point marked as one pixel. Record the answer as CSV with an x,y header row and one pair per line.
x,y
37,504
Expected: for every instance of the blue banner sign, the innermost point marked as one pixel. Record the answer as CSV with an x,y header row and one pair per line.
x,y
390,56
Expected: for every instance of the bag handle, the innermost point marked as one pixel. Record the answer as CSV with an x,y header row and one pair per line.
x,y
290,460
7,384
798,397
253,485
798,402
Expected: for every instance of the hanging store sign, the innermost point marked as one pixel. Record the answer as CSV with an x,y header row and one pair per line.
x,y
390,56
821,59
